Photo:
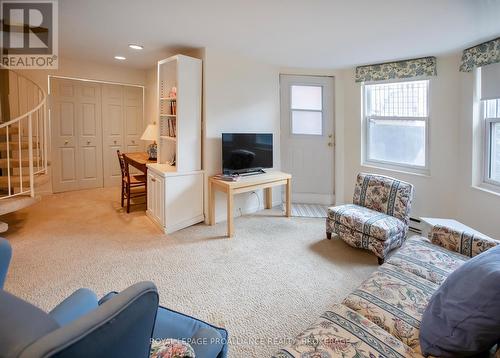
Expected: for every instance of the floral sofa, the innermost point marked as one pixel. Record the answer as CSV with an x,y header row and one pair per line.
x,y
378,218
381,318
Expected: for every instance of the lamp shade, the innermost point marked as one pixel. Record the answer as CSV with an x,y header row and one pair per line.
x,y
150,133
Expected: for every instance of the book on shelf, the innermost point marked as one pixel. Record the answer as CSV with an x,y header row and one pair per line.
x,y
171,127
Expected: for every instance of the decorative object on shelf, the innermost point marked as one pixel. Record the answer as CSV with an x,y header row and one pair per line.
x,y
150,135
173,92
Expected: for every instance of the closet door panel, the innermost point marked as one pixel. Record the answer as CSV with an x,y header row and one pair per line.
x,y
90,170
134,125
113,132
64,135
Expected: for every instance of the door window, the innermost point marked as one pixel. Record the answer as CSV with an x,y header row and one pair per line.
x,y
306,108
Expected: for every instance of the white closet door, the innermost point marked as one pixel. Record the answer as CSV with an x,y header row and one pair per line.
x,y
134,126
90,136
90,122
113,132
64,135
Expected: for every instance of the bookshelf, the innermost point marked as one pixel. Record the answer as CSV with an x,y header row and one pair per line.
x,y
175,182
180,112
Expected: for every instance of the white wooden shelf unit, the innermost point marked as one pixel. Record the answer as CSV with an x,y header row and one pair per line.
x,y
175,190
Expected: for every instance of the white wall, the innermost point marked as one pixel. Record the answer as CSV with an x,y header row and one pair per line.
x,y
240,95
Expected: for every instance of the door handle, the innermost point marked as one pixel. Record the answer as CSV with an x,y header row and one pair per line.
x,y
330,144
153,179
114,141
133,142
330,136
66,141
88,142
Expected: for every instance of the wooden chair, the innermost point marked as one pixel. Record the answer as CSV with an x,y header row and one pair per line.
x,y
133,186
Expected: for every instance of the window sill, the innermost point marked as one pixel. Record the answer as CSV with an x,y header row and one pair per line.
x,y
487,188
425,173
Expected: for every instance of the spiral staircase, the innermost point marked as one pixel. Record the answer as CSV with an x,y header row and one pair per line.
x,y
23,141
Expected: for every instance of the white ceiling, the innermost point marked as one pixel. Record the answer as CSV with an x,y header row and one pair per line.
x,y
289,33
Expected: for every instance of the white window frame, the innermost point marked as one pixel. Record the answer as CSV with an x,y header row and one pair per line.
x,y
486,125
413,169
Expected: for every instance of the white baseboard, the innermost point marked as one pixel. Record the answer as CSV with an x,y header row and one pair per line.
x,y
177,226
183,224
311,198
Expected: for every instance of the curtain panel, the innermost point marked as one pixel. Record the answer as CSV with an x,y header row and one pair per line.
x,y
480,55
418,67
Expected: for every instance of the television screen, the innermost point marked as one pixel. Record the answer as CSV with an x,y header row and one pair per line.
x,y
246,152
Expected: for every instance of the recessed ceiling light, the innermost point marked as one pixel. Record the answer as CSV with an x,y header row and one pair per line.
x,y
135,47
121,58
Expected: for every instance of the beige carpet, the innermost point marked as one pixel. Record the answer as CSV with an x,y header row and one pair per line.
x,y
264,285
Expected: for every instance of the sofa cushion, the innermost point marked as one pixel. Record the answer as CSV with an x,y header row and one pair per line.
x,y
384,194
463,317
394,300
465,243
341,332
426,260
369,222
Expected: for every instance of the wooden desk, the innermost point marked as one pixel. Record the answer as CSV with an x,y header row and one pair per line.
x,y
250,183
139,160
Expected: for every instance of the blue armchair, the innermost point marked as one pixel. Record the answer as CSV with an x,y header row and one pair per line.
x,y
119,325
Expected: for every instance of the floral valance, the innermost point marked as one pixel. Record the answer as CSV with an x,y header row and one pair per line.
x,y
418,67
480,55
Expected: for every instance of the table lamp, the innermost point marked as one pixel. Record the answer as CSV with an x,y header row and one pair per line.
x,y
148,135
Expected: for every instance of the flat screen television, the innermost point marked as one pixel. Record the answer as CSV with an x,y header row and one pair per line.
x,y
246,152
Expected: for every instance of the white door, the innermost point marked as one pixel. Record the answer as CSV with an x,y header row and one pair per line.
x,y
64,135
76,135
307,137
113,129
89,162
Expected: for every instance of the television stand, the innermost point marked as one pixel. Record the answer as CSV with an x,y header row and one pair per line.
x,y
248,183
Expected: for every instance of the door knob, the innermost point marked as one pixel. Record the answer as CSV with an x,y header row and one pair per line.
x,y
66,142
330,144
114,141
88,142
330,136
133,142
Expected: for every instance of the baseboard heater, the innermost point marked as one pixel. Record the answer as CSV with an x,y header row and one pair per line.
x,y
416,226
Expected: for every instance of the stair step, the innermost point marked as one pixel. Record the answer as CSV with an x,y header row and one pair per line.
x,y
14,162
12,130
16,203
14,145
14,180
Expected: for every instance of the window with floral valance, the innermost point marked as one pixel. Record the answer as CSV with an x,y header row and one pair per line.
x,y
419,67
483,54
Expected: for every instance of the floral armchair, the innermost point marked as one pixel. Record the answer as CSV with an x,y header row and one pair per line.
x,y
379,217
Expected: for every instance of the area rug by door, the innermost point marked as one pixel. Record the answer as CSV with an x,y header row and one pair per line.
x,y
309,210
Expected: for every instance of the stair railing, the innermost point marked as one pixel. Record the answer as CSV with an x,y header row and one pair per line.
x,y
23,140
